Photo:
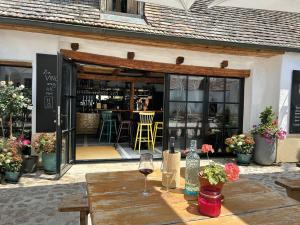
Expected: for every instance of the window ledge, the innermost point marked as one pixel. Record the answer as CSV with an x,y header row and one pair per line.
x,y
125,18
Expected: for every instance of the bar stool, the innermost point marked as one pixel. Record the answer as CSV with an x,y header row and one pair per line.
x,y
125,125
157,126
108,123
145,124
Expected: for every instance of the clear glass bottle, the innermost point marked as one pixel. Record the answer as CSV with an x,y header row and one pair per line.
x,y
191,170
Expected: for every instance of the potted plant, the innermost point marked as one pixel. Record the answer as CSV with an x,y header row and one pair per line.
x,y
45,143
213,176
242,145
30,162
12,102
11,160
266,135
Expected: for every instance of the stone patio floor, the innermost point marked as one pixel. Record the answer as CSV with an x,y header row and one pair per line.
x,y
34,200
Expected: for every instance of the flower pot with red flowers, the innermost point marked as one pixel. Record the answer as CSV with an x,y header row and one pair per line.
x,y
266,135
242,145
212,179
45,143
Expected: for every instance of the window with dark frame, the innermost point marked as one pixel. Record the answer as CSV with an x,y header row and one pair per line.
x,y
208,109
123,7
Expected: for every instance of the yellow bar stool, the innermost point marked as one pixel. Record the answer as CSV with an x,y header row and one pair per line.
x,y
145,126
157,126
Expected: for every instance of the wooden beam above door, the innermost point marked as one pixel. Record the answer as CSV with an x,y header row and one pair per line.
x,y
152,66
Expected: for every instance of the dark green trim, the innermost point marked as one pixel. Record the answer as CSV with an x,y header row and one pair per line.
x,y
136,34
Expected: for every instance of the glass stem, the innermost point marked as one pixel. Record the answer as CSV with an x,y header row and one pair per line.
x,y
145,188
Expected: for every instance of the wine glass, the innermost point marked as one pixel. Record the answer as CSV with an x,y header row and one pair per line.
x,y
146,167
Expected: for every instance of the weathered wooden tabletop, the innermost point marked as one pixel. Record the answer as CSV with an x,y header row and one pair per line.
x,y
115,199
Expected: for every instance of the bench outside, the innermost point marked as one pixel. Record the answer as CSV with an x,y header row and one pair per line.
x,y
292,187
76,203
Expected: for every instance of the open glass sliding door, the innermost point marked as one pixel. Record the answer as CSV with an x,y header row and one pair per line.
x,y
66,112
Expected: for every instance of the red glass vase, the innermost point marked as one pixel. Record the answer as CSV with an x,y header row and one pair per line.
x,y
206,186
209,203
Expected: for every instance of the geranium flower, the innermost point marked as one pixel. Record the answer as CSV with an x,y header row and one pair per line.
x,y
207,148
232,171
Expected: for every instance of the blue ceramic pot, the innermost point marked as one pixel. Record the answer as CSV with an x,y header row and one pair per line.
x,y
12,177
244,159
49,162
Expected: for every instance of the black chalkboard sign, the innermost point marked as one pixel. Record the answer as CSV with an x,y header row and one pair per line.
x,y
295,104
46,92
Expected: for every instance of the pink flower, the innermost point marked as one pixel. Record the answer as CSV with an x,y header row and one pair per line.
x,y
232,171
26,142
207,148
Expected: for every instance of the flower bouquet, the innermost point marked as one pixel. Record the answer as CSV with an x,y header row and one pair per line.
x,y
214,176
242,145
10,160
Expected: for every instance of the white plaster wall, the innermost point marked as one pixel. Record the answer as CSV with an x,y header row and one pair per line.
x,y
261,89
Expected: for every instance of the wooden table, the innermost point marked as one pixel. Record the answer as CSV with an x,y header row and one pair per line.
x,y
115,199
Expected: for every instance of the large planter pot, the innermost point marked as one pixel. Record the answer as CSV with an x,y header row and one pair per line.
x,y
206,186
243,159
30,163
49,162
264,152
12,177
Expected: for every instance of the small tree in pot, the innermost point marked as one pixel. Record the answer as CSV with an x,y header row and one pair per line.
x,y
266,135
45,143
12,102
242,145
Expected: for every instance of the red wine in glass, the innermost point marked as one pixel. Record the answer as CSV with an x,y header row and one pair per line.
x,y
146,167
146,172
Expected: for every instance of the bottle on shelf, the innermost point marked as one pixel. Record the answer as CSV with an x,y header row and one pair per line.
x,y
192,170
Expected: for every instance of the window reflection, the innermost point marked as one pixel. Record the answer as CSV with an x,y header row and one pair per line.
x,y
178,88
196,86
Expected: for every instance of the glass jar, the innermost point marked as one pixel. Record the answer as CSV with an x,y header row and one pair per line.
x,y
209,203
191,171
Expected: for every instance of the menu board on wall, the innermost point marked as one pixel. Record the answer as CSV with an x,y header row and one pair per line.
x,y
295,104
46,92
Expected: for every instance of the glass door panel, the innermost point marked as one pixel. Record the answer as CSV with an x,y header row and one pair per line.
x,y
65,114
196,88
207,109
177,88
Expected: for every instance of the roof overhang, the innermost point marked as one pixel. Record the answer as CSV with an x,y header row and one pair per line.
x,y
132,37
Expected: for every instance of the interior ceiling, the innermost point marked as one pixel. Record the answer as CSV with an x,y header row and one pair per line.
x,y
115,71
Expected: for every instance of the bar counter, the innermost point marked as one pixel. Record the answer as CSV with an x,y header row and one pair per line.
x,y
87,123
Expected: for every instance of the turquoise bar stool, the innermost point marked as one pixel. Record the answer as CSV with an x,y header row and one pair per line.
x,y
108,125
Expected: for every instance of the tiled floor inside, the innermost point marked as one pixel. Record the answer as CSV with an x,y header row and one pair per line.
x,y
123,150
34,200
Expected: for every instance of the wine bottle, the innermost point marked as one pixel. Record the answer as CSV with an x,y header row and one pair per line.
x,y
172,145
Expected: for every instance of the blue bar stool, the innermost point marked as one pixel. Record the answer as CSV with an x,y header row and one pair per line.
x,y
107,124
